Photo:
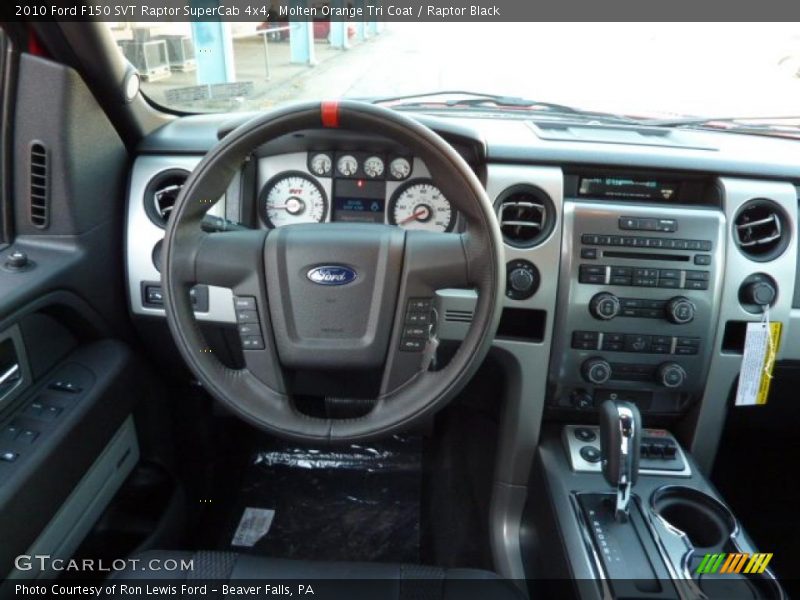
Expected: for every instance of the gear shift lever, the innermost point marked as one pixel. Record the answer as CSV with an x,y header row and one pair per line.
x,y
620,441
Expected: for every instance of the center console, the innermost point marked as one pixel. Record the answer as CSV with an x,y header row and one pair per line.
x,y
639,291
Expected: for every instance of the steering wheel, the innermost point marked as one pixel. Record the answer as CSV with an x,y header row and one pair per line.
x,y
298,321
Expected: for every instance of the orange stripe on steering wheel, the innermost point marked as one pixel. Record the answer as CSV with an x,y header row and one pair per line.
x,y
330,114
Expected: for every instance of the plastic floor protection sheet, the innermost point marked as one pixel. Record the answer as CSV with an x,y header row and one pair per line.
x,y
359,502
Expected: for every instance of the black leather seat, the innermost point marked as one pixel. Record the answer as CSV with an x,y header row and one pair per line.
x,y
329,580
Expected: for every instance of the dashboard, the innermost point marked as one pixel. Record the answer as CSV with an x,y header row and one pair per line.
x,y
634,260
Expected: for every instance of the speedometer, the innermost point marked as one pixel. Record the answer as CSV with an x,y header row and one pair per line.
x,y
421,205
291,198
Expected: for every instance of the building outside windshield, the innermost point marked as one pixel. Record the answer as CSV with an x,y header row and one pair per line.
x,y
647,70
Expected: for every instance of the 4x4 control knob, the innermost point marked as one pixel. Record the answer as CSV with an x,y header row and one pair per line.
x,y
604,306
596,370
680,310
671,375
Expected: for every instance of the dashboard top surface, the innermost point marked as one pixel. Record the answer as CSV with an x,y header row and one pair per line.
x,y
520,141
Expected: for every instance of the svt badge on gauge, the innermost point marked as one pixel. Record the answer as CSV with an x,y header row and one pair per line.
x,y
332,275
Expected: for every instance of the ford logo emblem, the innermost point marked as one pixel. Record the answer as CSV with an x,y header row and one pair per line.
x,y
332,275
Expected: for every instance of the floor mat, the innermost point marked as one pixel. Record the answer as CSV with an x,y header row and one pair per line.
x,y
358,502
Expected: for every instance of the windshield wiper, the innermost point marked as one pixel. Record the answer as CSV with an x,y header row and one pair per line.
x,y
466,100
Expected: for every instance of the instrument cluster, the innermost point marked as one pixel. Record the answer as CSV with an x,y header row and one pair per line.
x,y
348,186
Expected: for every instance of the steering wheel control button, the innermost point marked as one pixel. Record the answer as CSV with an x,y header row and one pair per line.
x,y
252,342
584,434
246,316
244,303
604,306
417,327
596,371
590,454
249,329
522,279
680,310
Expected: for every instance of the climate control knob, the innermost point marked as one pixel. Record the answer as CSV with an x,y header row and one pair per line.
x,y
604,306
680,310
671,375
596,370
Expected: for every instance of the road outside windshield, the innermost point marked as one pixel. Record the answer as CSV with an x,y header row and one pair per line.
x,y
649,70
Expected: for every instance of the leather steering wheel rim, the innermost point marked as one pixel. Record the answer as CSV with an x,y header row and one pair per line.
x,y
243,261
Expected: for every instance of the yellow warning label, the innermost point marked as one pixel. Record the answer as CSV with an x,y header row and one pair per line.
x,y
773,343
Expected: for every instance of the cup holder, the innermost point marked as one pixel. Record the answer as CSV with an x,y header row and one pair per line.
x,y
706,522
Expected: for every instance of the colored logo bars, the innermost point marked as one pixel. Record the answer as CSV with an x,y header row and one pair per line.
x,y
727,562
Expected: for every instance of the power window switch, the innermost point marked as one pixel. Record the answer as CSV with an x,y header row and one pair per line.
x,y
28,436
8,456
65,386
34,409
10,433
50,412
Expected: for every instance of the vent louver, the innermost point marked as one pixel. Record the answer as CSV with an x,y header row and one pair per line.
x,y
458,316
38,190
526,215
760,231
161,194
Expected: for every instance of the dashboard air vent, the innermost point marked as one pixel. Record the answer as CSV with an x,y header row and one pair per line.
x,y
38,191
526,215
458,316
759,230
161,194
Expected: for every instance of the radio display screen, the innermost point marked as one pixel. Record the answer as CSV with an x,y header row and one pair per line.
x,y
628,188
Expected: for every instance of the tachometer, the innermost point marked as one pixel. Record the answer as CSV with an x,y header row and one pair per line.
x,y
421,205
291,198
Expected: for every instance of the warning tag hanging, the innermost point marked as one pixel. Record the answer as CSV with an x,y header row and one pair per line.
x,y
760,349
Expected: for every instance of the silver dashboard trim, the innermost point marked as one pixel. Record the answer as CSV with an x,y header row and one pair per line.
x,y
724,369
141,236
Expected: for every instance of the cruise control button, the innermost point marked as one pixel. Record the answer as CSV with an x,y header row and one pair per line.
x,y
249,329
419,304
244,303
415,331
246,316
252,342
418,318
412,345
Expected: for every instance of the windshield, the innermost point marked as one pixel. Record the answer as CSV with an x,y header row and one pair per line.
x,y
656,70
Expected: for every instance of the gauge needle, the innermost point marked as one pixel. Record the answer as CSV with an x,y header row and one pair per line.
x,y
420,213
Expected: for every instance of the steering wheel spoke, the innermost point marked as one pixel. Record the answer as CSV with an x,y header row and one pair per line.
x,y
233,259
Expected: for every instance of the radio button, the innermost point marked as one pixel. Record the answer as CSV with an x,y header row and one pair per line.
x,y
699,275
589,253
637,343
645,281
667,225
693,284
669,283
623,271
604,306
702,259
680,310
648,224
628,223
659,349
671,375
669,273
596,371
664,340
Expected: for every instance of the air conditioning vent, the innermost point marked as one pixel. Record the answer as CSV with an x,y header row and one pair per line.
x,y
458,316
760,231
161,194
39,188
526,215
